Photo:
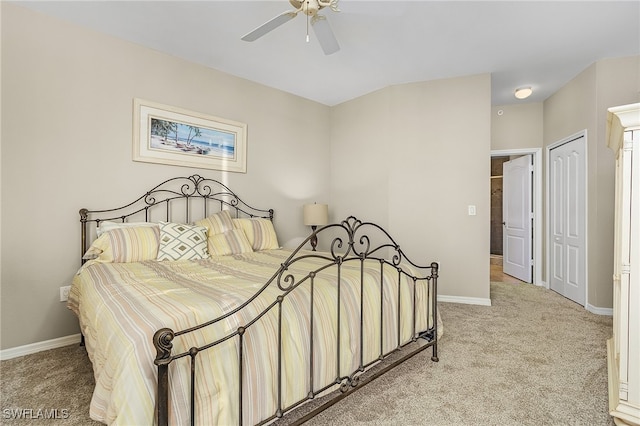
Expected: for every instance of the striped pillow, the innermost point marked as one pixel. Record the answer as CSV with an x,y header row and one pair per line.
x,y
230,242
182,242
106,226
126,245
217,223
259,232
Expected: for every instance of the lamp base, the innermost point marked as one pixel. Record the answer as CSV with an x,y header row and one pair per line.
x,y
314,238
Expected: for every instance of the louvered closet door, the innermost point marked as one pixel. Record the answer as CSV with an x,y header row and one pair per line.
x,y
567,219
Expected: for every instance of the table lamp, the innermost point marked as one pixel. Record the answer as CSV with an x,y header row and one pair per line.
x,y
315,215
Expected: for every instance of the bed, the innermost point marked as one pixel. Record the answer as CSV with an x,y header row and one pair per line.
x,y
192,313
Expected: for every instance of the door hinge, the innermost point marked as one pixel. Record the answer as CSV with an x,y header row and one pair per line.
x,y
530,262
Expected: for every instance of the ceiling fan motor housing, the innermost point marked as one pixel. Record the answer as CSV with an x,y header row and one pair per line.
x,y
309,7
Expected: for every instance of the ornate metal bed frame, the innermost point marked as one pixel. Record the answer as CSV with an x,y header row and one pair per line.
x,y
179,190
350,243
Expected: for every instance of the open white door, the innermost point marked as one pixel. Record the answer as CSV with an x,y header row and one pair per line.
x,y
517,217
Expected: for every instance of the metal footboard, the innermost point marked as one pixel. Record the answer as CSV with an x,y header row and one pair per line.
x,y
356,245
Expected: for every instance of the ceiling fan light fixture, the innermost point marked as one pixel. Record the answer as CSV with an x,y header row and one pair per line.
x,y
523,92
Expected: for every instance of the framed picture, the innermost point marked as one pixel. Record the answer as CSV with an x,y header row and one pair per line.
x,y
168,135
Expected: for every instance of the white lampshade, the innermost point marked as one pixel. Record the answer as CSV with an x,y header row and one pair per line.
x,y
315,214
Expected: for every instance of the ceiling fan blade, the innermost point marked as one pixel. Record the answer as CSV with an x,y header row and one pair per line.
x,y
270,25
325,35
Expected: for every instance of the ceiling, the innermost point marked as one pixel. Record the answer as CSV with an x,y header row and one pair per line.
x,y
542,44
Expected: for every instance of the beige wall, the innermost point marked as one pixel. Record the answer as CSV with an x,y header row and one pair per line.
x,y
66,143
617,84
361,141
517,126
582,104
426,148
0,183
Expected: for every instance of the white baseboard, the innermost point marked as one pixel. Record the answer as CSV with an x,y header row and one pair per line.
x,y
599,311
32,348
464,300
593,309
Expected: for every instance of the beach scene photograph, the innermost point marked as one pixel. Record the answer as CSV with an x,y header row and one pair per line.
x,y
192,140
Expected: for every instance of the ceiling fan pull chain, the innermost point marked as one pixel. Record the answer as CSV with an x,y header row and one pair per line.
x,y
308,17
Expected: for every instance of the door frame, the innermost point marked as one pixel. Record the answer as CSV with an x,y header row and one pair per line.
x,y
548,148
536,153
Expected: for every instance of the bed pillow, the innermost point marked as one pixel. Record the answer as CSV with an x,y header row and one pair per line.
x,y
182,242
233,241
217,223
96,249
259,232
106,226
123,245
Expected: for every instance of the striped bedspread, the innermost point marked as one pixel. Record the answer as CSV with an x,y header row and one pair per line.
x,y
121,305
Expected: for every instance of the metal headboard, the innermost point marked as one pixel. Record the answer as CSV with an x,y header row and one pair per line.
x,y
179,194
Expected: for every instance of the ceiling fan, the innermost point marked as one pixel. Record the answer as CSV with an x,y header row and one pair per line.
x,y
320,25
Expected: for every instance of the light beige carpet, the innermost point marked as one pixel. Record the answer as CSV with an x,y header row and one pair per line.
x,y
533,358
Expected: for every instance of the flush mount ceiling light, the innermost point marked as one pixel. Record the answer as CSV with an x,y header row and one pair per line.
x,y
523,92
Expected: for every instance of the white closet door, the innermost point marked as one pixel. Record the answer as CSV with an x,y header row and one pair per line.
x,y
567,219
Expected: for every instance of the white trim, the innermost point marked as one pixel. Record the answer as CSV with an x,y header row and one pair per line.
x,y
599,311
464,300
537,205
33,348
577,135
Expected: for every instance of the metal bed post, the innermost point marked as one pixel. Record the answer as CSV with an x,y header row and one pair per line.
x,y
83,233
434,303
162,341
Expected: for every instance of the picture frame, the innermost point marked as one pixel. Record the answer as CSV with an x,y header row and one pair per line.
x,y
175,136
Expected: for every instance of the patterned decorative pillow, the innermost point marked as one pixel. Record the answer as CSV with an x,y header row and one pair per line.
x,y
259,232
182,242
217,223
230,242
126,245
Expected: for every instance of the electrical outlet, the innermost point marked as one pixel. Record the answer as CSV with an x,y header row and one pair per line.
x,y
64,293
